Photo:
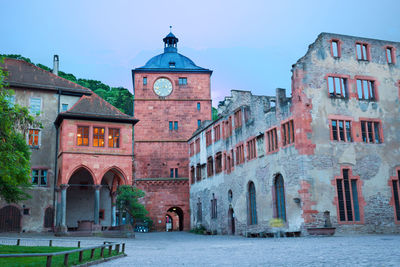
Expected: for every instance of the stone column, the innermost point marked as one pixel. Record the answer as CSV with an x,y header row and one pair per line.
x,y
64,188
96,204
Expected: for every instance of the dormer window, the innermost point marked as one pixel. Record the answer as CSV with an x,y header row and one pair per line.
x,y
172,64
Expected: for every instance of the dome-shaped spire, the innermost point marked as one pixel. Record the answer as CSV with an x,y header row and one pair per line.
x,y
170,42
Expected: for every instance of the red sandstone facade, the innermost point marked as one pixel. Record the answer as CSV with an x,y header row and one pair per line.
x,y
161,153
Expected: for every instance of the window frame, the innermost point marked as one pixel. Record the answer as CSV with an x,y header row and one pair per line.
x,y
40,175
365,121
372,88
392,57
252,206
182,81
360,200
251,148
214,213
197,144
218,162
208,137
343,119
238,118
338,48
145,81
77,135
395,199
40,105
363,57
240,154
272,136
217,132
343,82
287,133
97,136
39,137
210,166
113,137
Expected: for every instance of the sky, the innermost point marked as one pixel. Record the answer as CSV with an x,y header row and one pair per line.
x,y
249,45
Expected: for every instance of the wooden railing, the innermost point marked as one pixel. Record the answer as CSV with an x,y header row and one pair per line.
x,y
66,254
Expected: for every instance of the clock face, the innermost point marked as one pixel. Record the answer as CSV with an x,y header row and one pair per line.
x,y
162,87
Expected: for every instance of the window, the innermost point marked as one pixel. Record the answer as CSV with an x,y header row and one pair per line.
x,y
101,214
35,105
34,138
208,138
213,207
198,106
183,81
238,118
173,126
210,166
366,89
240,154
173,173
191,149
251,149
347,195
335,48
27,211
272,140
172,64
82,136
198,172
280,210
217,133
341,130
370,131
144,80
113,138
337,87
390,57
197,142
396,195
98,136
198,123
39,177
247,114
218,162
64,107
192,175
199,211
362,51
252,208
288,133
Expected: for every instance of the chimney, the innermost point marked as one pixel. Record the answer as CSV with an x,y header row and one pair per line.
x,y
55,65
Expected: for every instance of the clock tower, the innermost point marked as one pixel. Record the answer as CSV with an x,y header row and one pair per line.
x,y
172,97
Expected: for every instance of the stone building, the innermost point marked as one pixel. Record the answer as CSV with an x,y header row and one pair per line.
x,y
171,98
329,154
79,156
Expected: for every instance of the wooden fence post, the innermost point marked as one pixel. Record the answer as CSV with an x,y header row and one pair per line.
x,y
50,243
102,252
66,259
18,241
48,263
79,244
109,250
123,248
80,256
92,253
117,248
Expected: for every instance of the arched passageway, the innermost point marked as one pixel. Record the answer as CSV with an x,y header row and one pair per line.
x,y
179,217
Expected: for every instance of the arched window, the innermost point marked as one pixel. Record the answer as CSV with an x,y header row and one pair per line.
x,y
252,204
280,210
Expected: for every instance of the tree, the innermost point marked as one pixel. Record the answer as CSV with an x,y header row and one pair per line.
x,y
14,152
214,113
128,201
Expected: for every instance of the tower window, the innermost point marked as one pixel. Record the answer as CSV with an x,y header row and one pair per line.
x,y
198,123
183,81
173,125
172,64
144,80
198,106
362,51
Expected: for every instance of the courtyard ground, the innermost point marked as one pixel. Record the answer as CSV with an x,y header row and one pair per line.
x,y
186,249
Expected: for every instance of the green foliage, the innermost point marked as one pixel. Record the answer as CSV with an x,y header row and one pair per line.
x,y
73,258
200,230
128,201
119,97
214,113
14,152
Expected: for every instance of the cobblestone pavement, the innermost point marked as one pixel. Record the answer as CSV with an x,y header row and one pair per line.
x,y
186,249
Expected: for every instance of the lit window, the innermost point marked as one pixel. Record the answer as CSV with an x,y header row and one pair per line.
x,y
337,87
347,198
366,89
183,81
341,130
370,131
39,177
287,133
34,138
362,51
113,138
82,136
144,80
98,136
35,105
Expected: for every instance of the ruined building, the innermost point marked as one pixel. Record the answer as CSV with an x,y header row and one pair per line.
x,y
172,98
329,154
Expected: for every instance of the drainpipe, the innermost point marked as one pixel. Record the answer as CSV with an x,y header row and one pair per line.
x,y
55,162
133,127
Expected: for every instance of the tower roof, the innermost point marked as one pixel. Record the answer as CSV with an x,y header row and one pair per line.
x,y
171,60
